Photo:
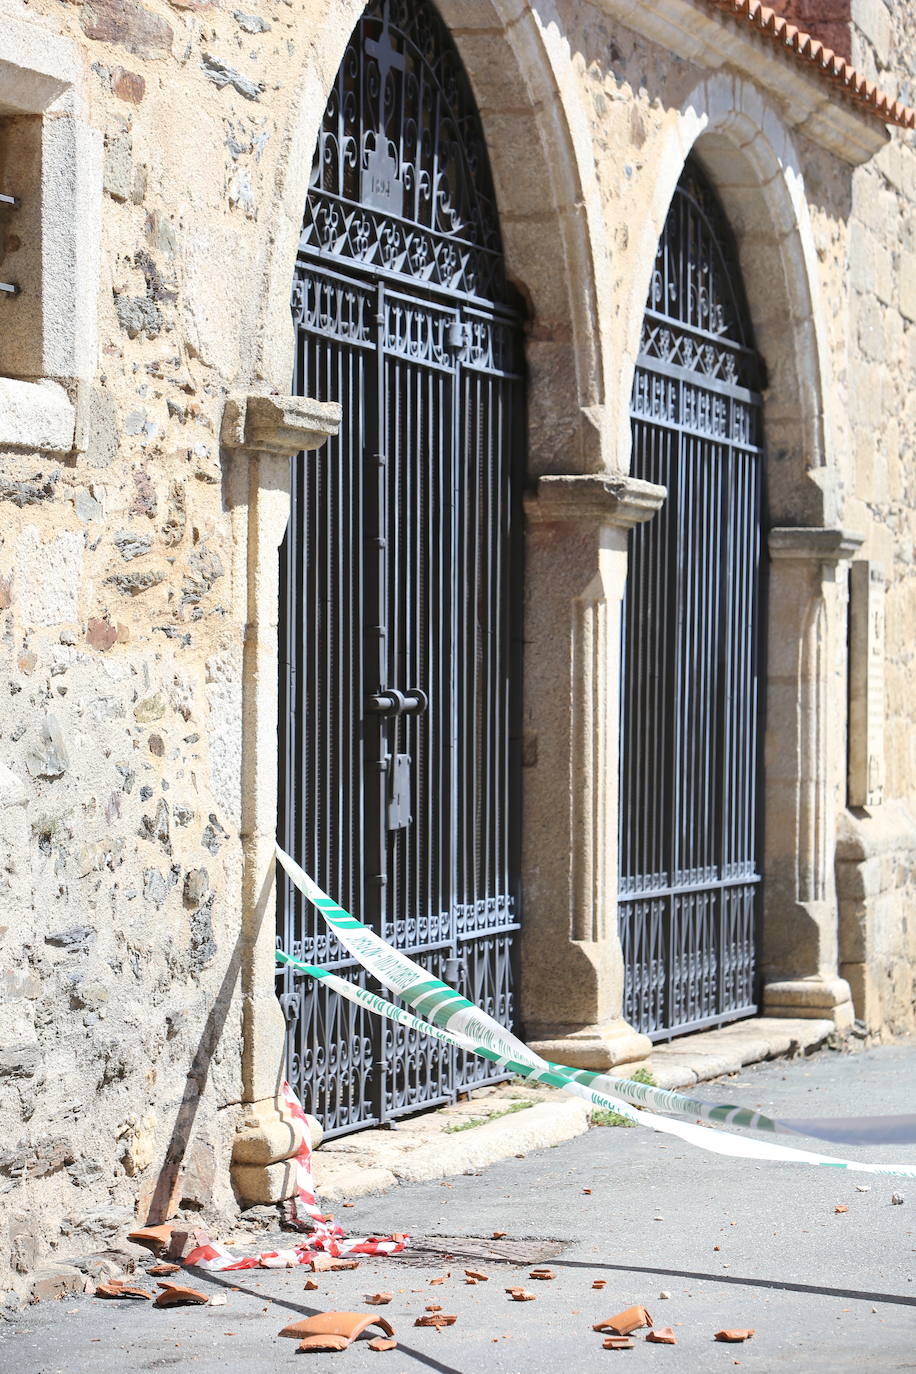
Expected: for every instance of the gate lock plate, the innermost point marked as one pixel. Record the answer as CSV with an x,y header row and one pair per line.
x,y
399,796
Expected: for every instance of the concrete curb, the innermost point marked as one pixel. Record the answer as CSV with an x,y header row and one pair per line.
x,y
526,1118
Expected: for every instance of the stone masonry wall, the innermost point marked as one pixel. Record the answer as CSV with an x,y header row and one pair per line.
x,y
122,602
878,859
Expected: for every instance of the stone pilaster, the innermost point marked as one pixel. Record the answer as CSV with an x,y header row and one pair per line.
x,y
259,436
800,948
572,966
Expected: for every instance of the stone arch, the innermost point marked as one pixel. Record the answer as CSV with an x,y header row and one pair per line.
x,y
750,158
532,119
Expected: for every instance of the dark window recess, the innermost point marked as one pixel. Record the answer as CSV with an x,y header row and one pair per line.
x,y
8,288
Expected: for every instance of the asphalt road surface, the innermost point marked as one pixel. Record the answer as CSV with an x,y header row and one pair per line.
x,y
732,1244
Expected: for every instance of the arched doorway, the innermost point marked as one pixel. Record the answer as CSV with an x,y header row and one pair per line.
x,y
692,663
399,570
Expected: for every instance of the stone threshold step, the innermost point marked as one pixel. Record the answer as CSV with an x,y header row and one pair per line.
x,y
708,1054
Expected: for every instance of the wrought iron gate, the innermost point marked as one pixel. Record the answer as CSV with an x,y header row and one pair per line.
x,y
691,699
398,570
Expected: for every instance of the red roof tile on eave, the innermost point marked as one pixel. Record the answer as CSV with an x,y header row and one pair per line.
x,y
846,80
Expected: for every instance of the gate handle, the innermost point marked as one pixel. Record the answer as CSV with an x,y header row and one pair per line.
x,y
391,702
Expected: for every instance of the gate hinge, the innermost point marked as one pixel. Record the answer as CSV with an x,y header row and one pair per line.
x,y
289,1003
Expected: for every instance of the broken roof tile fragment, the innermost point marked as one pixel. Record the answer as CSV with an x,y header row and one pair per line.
x,y
154,1238
734,1335
630,1319
347,1325
663,1335
618,1343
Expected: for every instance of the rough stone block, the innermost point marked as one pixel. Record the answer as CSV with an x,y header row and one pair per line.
x,y
264,1182
54,1282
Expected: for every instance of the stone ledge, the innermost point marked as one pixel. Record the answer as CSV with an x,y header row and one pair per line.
x,y
38,416
708,1054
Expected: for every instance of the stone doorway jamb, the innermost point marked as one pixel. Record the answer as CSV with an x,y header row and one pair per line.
x,y
260,434
571,958
800,928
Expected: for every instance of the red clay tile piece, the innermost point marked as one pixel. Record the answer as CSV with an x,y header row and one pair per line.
x,y
324,1343
734,1335
159,1271
630,1319
382,1343
472,1283
542,1274
310,1285
476,1274
618,1343
841,1207
599,1283
434,1307
437,1319
177,1295
498,1235
154,1238
440,1279
349,1324
520,1295
118,1289
663,1336
375,1299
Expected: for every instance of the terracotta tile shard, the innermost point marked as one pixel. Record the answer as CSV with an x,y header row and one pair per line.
x,y
118,1289
586,1190
477,1275
520,1295
471,1282
600,1283
437,1319
734,1336
441,1279
159,1271
381,1343
498,1235
631,1319
663,1336
310,1285
330,1264
618,1343
841,1207
177,1295
324,1343
375,1299
348,1325
542,1274
154,1238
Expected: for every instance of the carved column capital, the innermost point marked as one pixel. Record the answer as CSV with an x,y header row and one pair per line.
x,y
597,499
802,544
277,425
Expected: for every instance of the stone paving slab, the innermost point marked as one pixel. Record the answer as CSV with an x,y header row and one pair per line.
x,y
511,1119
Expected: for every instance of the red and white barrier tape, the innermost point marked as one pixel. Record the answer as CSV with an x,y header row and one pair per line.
x,y
326,1237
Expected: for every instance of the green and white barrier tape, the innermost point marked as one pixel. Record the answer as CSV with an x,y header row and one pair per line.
x,y
458,1022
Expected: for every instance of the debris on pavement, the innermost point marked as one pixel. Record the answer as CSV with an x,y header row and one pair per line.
x,y
177,1295
734,1336
338,1327
662,1336
218,1300
664,1293
117,1288
599,1283
440,1278
330,1264
618,1343
437,1319
841,1207
310,1286
520,1295
159,1271
897,1199
542,1274
498,1235
154,1238
630,1319
383,1343
377,1299
476,1275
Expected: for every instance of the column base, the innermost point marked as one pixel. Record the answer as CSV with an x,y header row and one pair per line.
x,y
814,999
598,1047
264,1150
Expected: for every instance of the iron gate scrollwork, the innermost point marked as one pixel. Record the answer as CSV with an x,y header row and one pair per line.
x,y
399,570
691,698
